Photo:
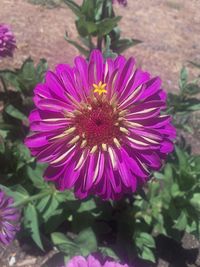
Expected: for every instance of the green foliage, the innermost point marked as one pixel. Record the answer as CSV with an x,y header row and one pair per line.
x,y
31,224
171,206
96,21
16,92
182,104
25,78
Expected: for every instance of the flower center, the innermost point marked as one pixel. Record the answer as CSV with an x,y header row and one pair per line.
x,y
98,124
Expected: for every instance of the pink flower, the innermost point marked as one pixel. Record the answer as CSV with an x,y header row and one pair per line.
x,y
9,219
7,41
90,261
99,126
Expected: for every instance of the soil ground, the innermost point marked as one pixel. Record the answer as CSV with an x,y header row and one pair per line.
x,y
169,30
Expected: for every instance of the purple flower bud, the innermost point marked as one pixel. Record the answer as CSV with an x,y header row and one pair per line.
x,y
7,41
9,219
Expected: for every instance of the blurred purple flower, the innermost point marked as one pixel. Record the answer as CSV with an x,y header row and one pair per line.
x,y
90,261
7,41
121,2
99,126
9,219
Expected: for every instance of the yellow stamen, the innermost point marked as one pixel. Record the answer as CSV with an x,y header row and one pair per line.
x,y
117,143
64,134
123,130
70,130
94,149
100,88
122,113
84,143
133,124
104,147
74,140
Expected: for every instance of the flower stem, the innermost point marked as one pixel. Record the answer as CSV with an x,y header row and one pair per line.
x,y
32,198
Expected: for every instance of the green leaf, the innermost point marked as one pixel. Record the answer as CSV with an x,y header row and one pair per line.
x,y
195,201
10,77
108,53
64,196
147,254
85,27
181,222
182,158
51,208
159,227
98,9
28,70
81,49
168,172
192,89
87,242
25,78
32,225
64,244
88,205
88,9
175,190
183,78
106,25
41,69
74,7
21,154
106,251
193,105
43,203
123,44
147,218
18,192
194,228
15,113
35,175
158,175
2,145
145,240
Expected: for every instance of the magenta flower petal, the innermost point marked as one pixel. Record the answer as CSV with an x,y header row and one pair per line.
x,y
77,261
91,261
9,219
7,41
100,126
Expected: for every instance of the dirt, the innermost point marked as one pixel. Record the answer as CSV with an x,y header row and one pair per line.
x,y
169,30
